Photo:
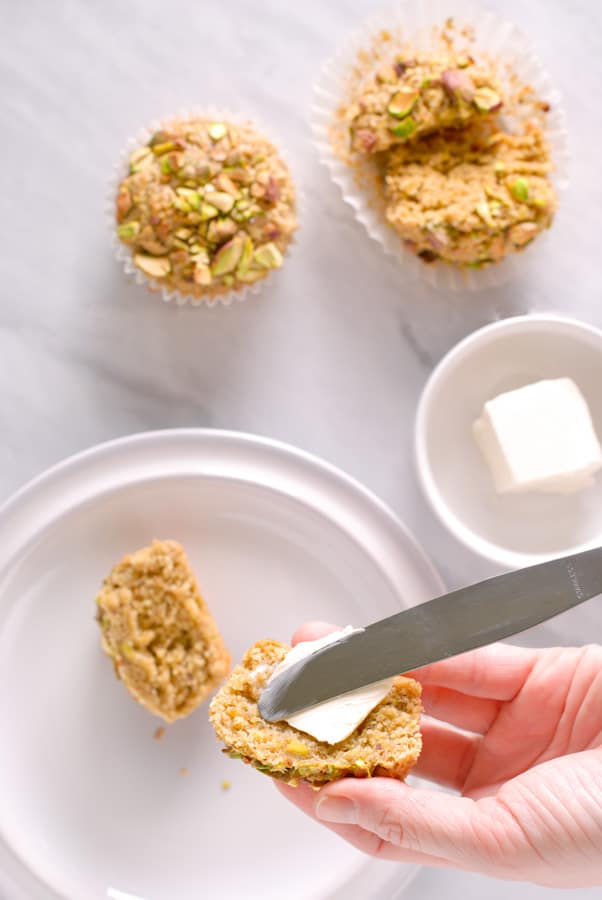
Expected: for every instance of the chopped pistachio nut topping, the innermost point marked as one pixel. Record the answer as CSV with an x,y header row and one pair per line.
x,y
483,210
208,211
222,201
246,256
202,274
404,129
159,149
128,231
402,103
268,256
520,190
155,266
207,207
217,130
165,165
250,276
486,99
140,159
227,257
427,93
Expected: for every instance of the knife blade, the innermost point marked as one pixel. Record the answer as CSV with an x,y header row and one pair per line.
x,y
446,626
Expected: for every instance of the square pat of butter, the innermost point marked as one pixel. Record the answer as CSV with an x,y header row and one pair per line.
x,y
539,438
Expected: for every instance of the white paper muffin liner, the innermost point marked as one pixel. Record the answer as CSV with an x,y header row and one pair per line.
x,y
122,252
416,23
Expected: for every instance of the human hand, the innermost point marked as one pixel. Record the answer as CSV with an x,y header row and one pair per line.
x,y
527,765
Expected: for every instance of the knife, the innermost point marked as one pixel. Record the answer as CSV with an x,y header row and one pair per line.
x,y
471,617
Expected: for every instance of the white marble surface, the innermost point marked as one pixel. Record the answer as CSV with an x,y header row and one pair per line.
x,y
333,354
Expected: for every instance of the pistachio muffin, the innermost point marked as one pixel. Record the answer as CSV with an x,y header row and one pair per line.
x,y
416,96
387,743
207,207
470,196
164,643
450,138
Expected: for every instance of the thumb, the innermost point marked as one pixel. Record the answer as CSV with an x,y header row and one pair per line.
x,y
457,829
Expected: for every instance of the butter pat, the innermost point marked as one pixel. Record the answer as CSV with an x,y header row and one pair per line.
x,y
539,438
333,720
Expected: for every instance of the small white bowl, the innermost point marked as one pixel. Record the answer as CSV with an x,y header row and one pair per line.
x,y
511,530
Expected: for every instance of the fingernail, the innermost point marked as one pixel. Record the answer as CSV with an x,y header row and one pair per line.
x,y
336,809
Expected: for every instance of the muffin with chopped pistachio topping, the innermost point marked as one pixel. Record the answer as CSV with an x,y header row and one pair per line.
x,y
387,742
470,196
207,207
157,629
417,81
414,96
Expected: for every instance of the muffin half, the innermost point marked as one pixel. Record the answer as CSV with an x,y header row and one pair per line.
x,y
156,627
470,197
387,742
414,96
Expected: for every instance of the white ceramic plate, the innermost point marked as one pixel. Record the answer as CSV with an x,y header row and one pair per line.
x,y
92,807
512,530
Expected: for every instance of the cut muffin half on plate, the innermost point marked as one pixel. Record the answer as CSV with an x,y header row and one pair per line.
x,y
156,627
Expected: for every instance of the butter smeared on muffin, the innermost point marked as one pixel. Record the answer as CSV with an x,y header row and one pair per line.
x,y
386,743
